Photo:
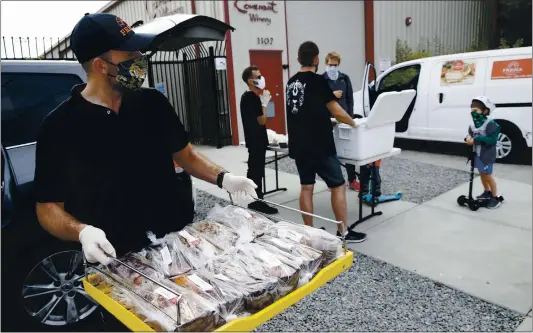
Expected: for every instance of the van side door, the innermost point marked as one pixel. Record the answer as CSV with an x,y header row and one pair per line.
x,y
452,86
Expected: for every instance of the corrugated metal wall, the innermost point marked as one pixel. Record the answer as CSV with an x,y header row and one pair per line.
x,y
333,26
456,25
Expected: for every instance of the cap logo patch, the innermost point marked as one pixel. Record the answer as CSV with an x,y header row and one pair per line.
x,y
125,28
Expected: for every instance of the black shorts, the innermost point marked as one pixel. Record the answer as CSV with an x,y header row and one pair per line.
x,y
329,169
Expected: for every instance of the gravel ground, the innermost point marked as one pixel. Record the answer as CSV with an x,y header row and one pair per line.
x,y
377,296
417,181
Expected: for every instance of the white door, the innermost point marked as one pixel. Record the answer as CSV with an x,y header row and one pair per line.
x,y
452,86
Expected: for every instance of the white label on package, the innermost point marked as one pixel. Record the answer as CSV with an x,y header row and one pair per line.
x,y
165,293
222,277
190,238
269,259
167,258
200,282
243,212
284,233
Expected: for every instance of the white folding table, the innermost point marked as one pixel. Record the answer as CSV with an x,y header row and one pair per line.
x,y
359,163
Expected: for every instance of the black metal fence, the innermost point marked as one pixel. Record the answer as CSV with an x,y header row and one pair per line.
x,y
190,78
198,90
36,48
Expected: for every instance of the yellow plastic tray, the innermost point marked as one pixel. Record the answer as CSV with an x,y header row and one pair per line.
x,y
245,324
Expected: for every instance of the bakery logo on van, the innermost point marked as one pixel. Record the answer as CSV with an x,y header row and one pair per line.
x,y
511,69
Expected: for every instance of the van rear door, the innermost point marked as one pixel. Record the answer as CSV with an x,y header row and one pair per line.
x,y
178,31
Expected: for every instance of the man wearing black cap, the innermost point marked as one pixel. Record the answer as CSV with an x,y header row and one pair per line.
x,y
104,169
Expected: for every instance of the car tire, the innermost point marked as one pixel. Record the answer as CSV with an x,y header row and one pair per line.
x,y
27,288
510,143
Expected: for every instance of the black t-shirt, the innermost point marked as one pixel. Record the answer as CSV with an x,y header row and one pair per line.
x,y
114,171
308,118
254,133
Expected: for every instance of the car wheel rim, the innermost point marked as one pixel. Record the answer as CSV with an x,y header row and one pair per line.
x,y
53,292
503,146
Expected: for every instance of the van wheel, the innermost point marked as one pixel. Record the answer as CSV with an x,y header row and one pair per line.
x,y
509,144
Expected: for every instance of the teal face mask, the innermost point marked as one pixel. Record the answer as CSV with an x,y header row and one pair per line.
x,y
478,118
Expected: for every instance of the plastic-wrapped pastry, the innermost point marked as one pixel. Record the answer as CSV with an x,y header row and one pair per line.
x,y
241,220
146,312
229,301
259,289
139,263
197,313
259,261
217,234
318,239
164,258
296,255
187,249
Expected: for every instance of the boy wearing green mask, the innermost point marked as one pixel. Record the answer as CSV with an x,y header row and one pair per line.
x,y
483,134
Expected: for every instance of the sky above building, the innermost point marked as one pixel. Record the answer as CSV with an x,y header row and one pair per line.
x,y
49,19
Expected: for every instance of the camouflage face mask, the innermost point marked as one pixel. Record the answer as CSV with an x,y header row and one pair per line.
x,y
131,73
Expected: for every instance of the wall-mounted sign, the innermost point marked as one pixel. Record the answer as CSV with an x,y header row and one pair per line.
x,y
159,8
220,64
458,72
384,64
256,10
511,69
161,87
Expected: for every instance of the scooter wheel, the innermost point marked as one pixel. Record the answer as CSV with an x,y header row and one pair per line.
x,y
473,205
461,201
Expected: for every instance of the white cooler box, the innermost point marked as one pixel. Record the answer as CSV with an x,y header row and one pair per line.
x,y
375,136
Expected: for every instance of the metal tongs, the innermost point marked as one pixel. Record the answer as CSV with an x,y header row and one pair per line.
x,y
343,238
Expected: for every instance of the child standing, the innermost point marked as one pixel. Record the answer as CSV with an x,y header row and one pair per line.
x,y
483,134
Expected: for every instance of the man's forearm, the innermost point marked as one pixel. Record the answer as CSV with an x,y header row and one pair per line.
x,y
338,113
262,120
55,220
197,165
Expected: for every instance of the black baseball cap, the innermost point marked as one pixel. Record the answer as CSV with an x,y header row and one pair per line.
x,y
98,33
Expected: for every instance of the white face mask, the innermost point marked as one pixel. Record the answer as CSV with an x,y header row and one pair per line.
x,y
261,83
333,72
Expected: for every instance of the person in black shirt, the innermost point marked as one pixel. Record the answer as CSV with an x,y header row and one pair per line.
x,y
104,162
253,114
310,102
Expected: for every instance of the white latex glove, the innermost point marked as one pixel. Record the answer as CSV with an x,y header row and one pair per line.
x,y
265,97
95,246
240,188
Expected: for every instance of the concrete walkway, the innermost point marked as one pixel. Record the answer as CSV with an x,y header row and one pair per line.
x,y
487,253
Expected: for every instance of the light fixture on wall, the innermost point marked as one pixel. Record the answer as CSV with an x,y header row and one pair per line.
x,y
408,21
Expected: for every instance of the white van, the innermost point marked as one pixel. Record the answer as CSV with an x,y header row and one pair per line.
x,y
445,87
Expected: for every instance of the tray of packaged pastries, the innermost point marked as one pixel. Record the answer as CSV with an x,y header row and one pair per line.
x,y
230,272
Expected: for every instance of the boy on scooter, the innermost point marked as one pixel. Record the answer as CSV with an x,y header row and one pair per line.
x,y
483,134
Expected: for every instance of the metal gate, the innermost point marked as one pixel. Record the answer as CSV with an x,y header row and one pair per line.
x,y
198,90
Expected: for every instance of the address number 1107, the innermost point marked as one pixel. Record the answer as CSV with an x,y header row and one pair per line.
x,y
265,40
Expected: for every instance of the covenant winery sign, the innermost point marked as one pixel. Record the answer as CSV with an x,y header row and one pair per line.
x,y
256,10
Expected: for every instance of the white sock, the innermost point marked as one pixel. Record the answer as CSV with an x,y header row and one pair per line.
x,y
345,233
